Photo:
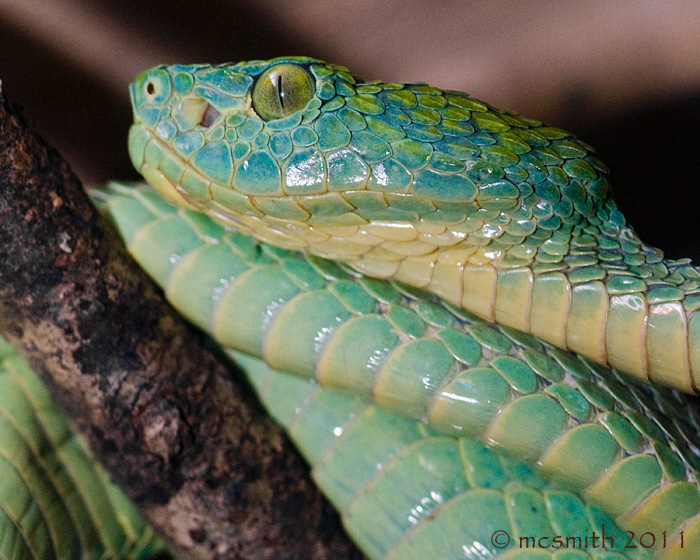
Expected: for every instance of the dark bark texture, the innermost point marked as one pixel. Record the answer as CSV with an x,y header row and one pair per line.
x,y
214,476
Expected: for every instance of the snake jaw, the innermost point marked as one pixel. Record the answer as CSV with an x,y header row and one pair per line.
x,y
143,147
358,155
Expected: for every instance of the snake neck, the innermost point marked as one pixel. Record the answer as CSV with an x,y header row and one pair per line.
x,y
590,285
593,288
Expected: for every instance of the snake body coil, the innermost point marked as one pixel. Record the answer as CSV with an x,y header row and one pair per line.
x,y
410,473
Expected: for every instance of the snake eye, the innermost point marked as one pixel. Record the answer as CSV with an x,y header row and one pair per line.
x,y
282,90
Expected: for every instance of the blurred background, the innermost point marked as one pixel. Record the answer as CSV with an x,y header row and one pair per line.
x,y
623,75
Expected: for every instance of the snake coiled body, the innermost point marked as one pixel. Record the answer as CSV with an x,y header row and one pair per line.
x,y
445,379
503,219
438,299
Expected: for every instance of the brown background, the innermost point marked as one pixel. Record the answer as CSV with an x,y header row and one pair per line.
x,y
622,75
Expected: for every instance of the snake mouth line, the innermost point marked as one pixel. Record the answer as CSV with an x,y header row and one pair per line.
x,y
199,192
167,171
179,182
297,222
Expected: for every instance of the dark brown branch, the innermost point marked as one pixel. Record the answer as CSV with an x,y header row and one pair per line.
x,y
210,472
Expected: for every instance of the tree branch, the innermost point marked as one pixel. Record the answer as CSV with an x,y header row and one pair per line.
x,y
214,476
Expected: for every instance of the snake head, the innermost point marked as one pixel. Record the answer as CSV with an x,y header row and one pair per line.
x,y
301,154
212,120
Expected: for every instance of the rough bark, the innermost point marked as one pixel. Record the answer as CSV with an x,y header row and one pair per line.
x,y
211,473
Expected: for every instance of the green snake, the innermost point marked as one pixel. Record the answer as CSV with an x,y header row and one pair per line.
x,y
450,286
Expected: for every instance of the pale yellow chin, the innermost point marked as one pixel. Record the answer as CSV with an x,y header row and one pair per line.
x,y
164,186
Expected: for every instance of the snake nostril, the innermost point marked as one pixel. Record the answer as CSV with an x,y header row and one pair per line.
x,y
209,116
150,88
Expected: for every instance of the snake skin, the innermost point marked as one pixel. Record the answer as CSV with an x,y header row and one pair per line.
x,y
508,221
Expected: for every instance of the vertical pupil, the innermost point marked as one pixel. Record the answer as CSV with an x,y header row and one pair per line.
x,y
280,93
